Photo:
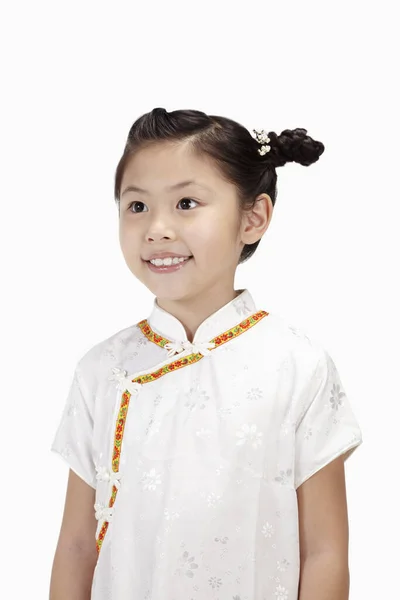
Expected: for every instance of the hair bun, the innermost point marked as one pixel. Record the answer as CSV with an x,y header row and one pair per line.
x,y
294,145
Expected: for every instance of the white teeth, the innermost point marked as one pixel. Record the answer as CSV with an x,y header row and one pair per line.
x,y
158,262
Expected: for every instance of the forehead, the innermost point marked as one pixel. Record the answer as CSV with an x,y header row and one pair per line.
x,y
164,164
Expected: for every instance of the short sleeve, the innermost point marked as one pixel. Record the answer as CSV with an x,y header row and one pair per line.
x,y
327,427
73,439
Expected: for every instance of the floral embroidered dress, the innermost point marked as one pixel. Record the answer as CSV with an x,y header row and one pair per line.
x,y
196,450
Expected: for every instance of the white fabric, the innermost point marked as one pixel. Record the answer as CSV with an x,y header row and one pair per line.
x,y
211,458
104,474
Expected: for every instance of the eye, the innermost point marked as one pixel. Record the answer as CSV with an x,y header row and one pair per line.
x,y
136,202
187,200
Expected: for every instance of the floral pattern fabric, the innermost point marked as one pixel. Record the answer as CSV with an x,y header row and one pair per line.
x,y
196,486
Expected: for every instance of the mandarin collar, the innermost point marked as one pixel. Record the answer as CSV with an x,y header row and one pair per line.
x,y
226,317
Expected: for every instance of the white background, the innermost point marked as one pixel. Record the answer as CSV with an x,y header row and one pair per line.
x,y
75,75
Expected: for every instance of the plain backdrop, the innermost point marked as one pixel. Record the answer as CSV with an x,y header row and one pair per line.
x,y
74,77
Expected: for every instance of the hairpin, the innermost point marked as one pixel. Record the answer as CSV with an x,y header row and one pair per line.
x,y
262,138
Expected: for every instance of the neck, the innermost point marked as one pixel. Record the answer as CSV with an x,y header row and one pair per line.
x,y
192,311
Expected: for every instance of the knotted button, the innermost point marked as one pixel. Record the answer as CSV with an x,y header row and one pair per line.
x,y
123,382
103,513
202,347
174,348
103,474
194,347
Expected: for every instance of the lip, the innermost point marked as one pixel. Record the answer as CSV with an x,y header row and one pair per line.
x,y
166,255
167,268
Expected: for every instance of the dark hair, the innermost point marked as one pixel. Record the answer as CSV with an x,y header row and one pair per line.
x,y
230,145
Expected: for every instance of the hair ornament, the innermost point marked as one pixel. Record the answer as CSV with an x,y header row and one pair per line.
x,y
262,138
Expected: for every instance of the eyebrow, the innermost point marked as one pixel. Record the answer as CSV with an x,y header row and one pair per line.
x,y
170,188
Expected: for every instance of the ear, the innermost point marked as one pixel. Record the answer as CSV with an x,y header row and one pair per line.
x,y
255,220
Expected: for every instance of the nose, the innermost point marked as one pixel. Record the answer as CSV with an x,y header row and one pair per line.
x,y
160,228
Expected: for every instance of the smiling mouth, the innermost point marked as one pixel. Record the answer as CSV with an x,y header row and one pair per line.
x,y
186,259
168,268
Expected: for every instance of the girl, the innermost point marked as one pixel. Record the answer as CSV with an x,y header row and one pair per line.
x,y
206,443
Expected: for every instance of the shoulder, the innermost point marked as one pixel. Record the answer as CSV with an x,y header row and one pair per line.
x,y
294,344
112,351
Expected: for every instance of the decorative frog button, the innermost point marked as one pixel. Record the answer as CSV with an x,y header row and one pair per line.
x,y
103,474
123,382
203,348
103,513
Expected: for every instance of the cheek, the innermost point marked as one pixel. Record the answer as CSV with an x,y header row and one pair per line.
x,y
122,236
216,237
128,239
202,236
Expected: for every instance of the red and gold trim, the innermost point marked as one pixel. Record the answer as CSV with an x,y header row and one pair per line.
x,y
151,335
149,377
104,527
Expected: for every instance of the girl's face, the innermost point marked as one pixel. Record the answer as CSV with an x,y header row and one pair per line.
x,y
166,214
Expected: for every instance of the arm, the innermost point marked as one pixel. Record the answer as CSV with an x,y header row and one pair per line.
x,y
76,555
324,536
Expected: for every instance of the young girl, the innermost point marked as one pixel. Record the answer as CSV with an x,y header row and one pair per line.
x,y
206,443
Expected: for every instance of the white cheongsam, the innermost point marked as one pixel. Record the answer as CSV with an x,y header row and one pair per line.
x,y
196,450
